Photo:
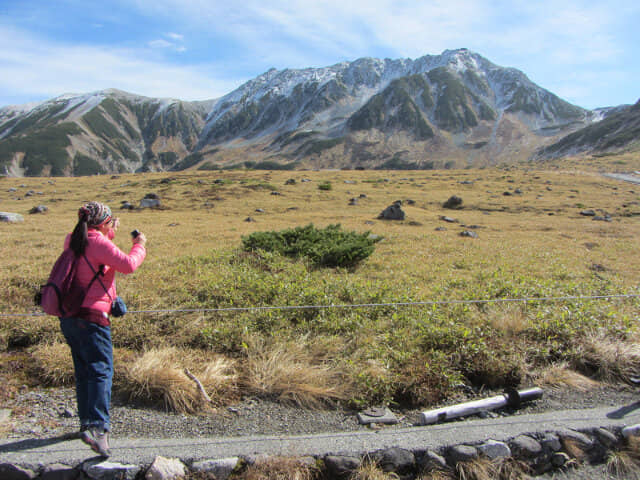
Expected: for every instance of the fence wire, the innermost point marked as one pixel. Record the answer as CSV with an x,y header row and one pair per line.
x,y
431,303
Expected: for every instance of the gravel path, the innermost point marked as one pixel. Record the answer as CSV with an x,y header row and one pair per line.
x,y
51,412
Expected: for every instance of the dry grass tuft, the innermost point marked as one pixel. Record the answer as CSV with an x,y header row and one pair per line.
x,y
510,319
512,469
371,471
53,365
281,468
609,359
478,469
158,377
289,373
559,375
436,475
625,463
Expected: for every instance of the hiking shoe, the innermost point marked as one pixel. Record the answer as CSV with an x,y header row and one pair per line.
x,y
97,440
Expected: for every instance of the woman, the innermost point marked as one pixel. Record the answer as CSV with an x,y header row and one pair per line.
x,y
88,332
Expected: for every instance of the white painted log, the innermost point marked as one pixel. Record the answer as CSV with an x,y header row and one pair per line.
x,y
469,408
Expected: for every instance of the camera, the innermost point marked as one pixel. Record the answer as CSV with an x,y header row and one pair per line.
x,y
135,233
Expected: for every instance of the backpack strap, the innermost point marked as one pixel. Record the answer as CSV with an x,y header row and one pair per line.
x,y
96,275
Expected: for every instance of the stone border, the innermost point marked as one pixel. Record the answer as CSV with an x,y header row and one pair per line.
x,y
540,452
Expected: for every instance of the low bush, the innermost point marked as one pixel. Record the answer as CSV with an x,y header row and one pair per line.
x,y
328,247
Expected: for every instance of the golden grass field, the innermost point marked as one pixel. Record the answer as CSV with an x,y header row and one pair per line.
x,y
531,244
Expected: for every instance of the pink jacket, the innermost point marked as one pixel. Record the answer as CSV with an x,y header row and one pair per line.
x,y
102,251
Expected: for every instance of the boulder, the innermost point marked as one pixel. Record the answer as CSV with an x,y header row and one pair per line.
x,y
525,446
453,202
468,233
150,200
339,466
166,469
220,468
58,471
462,453
101,470
493,449
13,472
394,459
392,212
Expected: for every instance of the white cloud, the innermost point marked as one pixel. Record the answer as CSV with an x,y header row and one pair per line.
x,y
34,68
160,44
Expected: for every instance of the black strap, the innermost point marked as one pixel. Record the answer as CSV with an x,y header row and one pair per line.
x,y
97,275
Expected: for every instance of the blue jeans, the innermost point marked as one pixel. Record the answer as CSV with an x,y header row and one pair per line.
x,y
92,354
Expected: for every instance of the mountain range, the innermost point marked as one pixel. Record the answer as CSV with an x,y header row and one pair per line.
x,y
450,110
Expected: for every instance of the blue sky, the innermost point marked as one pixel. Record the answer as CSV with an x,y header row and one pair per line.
x,y
584,51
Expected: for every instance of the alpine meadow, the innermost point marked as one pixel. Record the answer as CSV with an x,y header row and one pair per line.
x,y
487,295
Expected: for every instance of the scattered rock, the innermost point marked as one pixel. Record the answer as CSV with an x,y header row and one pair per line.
x,y
291,181
259,210
410,202
469,233
30,193
444,218
517,191
275,193
441,229
466,182
353,201
126,206
602,218
249,219
596,267
11,217
507,194
166,469
588,213
305,180
453,202
392,212
39,209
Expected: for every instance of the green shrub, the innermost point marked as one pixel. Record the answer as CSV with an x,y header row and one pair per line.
x,y
328,247
325,186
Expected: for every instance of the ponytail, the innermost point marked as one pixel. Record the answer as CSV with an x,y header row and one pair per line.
x,y
79,237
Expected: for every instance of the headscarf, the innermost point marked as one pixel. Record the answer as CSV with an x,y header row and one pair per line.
x,y
95,214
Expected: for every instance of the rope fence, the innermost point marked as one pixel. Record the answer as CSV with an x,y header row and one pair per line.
x,y
362,305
